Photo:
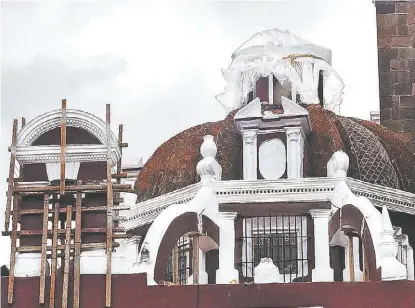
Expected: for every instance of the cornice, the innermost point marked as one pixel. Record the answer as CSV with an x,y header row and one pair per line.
x,y
264,191
74,153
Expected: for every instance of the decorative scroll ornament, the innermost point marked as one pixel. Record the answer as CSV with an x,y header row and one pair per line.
x,y
292,60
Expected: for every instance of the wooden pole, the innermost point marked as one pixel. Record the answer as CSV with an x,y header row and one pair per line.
x,y
44,245
175,261
13,249
63,146
11,176
351,258
195,240
119,163
109,210
54,255
365,264
117,195
77,257
67,256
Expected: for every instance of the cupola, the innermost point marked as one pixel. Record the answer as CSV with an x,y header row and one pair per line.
x,y
272,77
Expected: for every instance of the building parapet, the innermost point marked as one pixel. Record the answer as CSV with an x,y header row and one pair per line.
x,y
262,191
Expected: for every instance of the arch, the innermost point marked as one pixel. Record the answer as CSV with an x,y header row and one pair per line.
x,y
182,224
351,216
74,118
170,225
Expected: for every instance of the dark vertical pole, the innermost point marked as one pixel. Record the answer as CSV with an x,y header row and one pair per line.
x,y
320,88
44,244
351,258
13,249
109,210
77,256
11,176
67,256
54,254
195,241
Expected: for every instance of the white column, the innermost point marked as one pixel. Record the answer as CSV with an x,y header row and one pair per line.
x,y
358,274
226,273
410,263
322,270
271,89
295,152
250,154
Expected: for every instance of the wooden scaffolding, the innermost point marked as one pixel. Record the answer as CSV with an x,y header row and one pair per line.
x,y
71,233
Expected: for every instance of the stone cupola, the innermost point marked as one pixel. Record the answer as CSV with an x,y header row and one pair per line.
x,y
272,77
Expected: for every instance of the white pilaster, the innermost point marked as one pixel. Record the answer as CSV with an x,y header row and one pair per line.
x,y
358,274
271,89
322,270
250,154
203,275
410,263
226,273
295,152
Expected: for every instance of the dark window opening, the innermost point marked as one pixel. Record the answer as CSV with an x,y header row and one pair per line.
x,y
262,89
320,88
279,91
280,247
282,238
184,262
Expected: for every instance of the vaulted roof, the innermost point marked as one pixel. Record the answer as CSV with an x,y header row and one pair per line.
x,y
377,155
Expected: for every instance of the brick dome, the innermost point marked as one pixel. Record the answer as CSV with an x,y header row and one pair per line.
x,y
377,155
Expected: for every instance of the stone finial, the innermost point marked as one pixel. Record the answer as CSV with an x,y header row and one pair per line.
x,y
208,168
391,268
338,165
208,148
266,272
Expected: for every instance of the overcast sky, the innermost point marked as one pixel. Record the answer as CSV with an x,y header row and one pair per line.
x,y
159,64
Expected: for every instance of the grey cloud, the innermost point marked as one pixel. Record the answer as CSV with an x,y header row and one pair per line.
x,y
44,81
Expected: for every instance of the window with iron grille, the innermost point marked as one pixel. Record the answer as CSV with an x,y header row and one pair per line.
x,y
402,253
184,262
282,238
280,247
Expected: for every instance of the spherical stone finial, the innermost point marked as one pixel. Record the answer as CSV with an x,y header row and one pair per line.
x,y
208,148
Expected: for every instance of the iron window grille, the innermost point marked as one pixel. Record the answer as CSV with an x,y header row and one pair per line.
x,y
184,261
282,238
402,253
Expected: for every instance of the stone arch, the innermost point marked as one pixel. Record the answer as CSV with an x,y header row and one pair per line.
x,y
75,118
351,216
181,225
170,225
91,148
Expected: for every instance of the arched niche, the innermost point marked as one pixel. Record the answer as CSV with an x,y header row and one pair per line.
x,y
74,118
350,216
39,141
182,224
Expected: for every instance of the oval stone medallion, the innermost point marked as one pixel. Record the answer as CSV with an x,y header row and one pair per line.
x,y
272,159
